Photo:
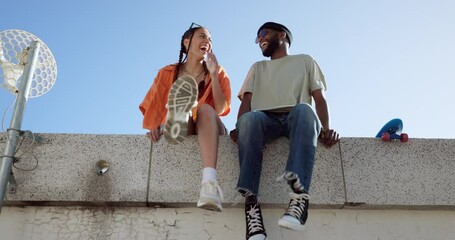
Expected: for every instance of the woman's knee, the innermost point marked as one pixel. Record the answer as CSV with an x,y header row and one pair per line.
x,y
207,116
206,112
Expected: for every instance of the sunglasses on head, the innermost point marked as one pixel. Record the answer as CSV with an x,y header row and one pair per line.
x,y
195,25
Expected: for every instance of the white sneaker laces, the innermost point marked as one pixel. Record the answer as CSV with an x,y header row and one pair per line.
x,y
297,204
254,220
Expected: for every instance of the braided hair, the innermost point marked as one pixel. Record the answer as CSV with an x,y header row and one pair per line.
x,y
187,35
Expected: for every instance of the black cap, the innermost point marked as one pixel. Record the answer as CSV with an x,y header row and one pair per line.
x,y
278,27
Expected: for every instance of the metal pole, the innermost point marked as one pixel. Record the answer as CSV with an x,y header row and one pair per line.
x,y
6,162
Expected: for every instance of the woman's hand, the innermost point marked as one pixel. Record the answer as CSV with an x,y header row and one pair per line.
x,y
155,134
212,63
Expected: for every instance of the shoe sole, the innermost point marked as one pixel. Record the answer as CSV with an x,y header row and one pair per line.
x,y
209,204
181,99
258,237
291,226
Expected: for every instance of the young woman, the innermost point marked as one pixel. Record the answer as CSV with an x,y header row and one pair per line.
x,y
188,98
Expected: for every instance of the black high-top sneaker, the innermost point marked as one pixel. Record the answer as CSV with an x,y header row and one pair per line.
x,y
254,223
297,213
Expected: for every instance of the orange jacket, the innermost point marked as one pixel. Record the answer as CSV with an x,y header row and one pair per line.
x,y
153,106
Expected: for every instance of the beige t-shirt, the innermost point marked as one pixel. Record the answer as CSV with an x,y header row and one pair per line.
x,y
282,83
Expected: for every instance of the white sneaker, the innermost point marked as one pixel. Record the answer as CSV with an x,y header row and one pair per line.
x,y
181,99
210,196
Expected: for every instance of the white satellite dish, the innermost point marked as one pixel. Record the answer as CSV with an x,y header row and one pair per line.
x,y
14,48
28,69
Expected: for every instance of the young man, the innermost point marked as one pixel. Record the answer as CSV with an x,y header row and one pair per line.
x,y
276,101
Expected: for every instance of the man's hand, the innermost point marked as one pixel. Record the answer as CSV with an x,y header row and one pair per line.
x,y
234,135
329,137
155,134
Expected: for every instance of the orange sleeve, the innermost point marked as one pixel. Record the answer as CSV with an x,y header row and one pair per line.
x,y
153,106
226,89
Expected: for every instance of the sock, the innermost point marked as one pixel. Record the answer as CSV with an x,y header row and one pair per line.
x,y
208,174
251,199
294,182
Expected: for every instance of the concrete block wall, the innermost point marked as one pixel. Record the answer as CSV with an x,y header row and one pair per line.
x,y
361,189
146,223
65,171
418,174
359,172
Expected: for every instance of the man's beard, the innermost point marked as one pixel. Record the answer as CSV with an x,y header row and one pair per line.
x,y
271,48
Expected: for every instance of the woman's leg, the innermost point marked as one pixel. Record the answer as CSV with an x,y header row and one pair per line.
x,y
209,127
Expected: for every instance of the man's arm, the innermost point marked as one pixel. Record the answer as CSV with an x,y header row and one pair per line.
x,y
245,106
328,136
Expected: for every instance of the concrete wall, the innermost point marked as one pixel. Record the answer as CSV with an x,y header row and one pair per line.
x,y
359,175
195,224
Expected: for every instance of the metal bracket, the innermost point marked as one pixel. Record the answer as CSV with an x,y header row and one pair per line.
x,y
35,137
12,184
28,134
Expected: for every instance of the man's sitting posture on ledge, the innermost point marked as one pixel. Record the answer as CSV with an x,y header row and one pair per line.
x,y
276,101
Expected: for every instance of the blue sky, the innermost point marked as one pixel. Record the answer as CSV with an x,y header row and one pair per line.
x,y
382,59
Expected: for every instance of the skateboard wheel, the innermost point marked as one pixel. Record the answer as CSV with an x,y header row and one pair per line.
x,y
404,137
385,137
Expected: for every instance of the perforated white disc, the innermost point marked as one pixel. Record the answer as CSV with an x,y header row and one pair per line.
x,y
13,56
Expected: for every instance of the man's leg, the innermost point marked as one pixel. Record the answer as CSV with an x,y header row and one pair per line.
x,y
303,131
304,128
254,130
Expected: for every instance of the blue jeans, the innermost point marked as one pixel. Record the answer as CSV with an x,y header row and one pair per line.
x,y
301,126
